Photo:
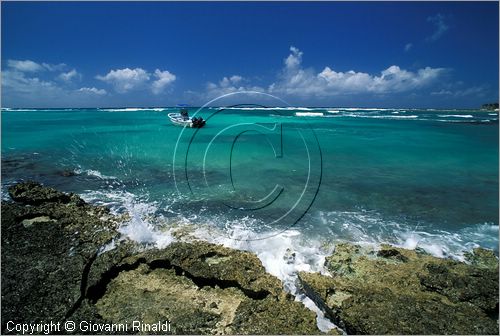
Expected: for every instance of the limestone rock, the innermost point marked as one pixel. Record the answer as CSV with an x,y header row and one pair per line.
x,y
398,291
200,288
34,193
47,247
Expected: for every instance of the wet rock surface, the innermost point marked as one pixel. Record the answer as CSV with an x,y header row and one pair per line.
x,y
398,291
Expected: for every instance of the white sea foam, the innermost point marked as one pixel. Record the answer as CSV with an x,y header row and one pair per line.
x,y
463,121
333,111
95,173
370,228
364,109
308,114
443,244
361,115
283,254
133,109
253,108
455,116
142,227
16,109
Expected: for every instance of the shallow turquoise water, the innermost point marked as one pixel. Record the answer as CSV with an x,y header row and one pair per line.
x,y
408,177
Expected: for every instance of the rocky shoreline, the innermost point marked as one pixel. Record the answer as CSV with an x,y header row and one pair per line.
x,y
57,266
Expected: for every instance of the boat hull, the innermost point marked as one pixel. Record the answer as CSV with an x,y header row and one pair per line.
x,y
178,120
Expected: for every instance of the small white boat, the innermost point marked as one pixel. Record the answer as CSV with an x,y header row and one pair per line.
x,y
182,119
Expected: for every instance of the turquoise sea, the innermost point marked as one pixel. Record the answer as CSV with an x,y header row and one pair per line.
x,y
418,178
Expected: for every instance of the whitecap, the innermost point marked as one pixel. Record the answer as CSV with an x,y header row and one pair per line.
x,y
308,114
95,173
133,109
455,116
361,115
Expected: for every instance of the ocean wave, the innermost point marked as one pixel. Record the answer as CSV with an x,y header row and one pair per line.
x,y
142,224
360,115
252,108
455,116
8,109
134,109
371,228
308,114
285,253
364,227
95,173
364,109
481,121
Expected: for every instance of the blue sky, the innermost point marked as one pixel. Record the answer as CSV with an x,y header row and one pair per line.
x,y
382,54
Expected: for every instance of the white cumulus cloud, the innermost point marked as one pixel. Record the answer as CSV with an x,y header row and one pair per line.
x,y
124,80
26,89
295,80
31,66
228,85
20,83
164,79
92,90
294,59
24,66
69,76
54,67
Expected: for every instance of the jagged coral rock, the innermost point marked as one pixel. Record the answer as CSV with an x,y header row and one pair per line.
x,y
200,288
394,290
48,240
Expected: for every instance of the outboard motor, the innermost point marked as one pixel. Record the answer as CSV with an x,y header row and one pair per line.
x,y
198,122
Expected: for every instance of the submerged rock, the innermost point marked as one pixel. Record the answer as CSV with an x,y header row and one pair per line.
x,y
398,291
66,173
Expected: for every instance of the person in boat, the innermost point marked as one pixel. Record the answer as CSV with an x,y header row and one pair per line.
x,y
184,114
